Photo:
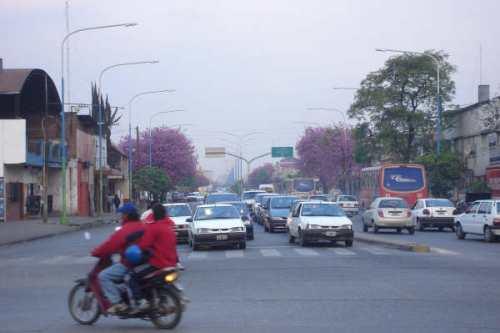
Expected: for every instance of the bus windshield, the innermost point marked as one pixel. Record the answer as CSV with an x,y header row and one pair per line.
x,y
403,179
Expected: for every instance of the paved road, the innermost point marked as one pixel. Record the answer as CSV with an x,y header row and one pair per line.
x,y
270,287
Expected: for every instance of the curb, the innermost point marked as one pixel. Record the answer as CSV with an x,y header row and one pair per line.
x,y
75,227
404,246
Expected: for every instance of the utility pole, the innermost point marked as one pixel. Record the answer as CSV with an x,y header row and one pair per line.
x,y
45,175
136,147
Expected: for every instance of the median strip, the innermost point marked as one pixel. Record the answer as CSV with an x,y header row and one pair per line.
x,y
396,244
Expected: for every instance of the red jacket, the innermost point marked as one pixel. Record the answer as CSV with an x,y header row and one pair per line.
x,y
159,239
117,242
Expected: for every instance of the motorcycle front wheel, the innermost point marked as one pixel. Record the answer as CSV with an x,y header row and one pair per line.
x,y
169,311
83,305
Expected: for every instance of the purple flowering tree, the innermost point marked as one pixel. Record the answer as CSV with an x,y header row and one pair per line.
x,y
327,153
172,152
261,175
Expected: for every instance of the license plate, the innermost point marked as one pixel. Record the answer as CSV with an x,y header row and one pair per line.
x,y
221,237
331,233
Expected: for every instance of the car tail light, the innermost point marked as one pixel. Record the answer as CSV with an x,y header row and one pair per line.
x,y
380,213
496,221
408,213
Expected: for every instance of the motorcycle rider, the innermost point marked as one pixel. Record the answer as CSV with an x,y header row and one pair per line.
x,y
132,228
160,242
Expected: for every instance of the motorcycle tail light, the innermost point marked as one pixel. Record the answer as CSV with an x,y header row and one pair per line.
x,y
380,213
169,278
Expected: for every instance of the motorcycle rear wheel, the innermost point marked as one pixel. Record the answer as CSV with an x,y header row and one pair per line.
x,y
172,302
83,306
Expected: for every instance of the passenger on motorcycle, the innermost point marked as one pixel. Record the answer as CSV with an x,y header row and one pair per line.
x,y
132,229
160,242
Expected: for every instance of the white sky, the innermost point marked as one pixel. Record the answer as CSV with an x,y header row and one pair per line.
x,y
244,66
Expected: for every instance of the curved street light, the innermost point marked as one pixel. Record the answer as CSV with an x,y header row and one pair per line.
x,y
101,122
63,218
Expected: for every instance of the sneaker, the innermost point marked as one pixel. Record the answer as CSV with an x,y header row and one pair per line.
x,y
142,305
117,308
180,266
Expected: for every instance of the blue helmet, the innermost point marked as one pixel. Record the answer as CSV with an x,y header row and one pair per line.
x,y
133,254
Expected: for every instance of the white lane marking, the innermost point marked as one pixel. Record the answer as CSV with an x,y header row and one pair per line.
x,y
84,260
344,252
235,254
444,251
375,250
197,255
306,252
55,260
270,253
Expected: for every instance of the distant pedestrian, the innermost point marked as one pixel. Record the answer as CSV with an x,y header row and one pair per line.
x,y
116,202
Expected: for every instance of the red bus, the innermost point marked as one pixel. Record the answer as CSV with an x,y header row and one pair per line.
x,y
407,181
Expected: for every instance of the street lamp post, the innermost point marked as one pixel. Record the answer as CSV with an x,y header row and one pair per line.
x,y
150,133
438,89
129,143
101,123
63,219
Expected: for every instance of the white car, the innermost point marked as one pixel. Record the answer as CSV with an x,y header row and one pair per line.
x,y
249,197
314,221
348,203
388,213
216,224
433,213
178,213
482,218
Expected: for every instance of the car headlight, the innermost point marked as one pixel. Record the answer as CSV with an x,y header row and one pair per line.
x,y
202,230
238,229
313,226
346,226
248,222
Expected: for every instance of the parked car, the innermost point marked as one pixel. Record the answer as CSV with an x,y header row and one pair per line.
x,y
179,212
348,203
314,221
319,197
216,197
245,216
481,218
388,213
433,213
215,225
276,214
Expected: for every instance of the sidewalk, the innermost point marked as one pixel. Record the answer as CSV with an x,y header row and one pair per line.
x,y
31,229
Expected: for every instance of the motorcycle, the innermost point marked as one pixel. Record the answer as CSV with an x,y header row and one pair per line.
x,y
87,303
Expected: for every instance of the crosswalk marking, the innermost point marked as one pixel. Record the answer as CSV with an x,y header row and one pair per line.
x,y
306,252
375,250
197,255
344,252
270,253
234,254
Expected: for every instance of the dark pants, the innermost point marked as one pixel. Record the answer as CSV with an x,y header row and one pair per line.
x,y
136,275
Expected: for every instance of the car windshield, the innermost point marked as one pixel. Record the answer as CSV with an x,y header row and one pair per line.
x,y
216,212
250,195
321,210
439,203
392,203
319,197
282,202
178,210
220,197
347,198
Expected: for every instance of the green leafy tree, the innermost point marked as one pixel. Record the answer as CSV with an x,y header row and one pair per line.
x,y
396,105
443,171
153,180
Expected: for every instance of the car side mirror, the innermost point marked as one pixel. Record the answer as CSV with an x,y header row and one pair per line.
x,y
189,219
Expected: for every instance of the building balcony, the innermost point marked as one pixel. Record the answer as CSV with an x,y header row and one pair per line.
x,y
34,153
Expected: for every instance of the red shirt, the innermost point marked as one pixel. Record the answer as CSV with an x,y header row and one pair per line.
x,y
159,238
117,242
